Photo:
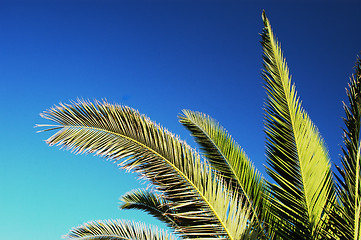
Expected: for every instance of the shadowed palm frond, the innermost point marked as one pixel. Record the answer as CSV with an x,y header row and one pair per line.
x,y
154,204
298,159
227,158
117,230
348,214
204,207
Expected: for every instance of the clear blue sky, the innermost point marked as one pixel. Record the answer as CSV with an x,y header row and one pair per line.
x,y
158,57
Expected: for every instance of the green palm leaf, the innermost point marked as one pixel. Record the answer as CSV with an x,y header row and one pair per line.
x,y
349,213
295,150
227,158
117,230
204,207
154,204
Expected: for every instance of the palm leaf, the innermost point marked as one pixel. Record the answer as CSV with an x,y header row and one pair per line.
x,y
204,207
349,213
117,230
154,204
298,159
227,158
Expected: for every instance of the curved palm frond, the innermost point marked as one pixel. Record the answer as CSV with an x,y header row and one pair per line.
x,y
204,207
227,158
296,153
348,220
117,230
154,204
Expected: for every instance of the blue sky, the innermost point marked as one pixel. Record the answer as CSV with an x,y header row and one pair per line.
x,y
158,57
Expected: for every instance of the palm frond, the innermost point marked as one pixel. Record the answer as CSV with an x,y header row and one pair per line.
x,y
117,230
154,204
299,162
348,220
204,207
227,158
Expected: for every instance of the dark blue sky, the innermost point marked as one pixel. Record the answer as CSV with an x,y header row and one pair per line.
x,y
158,57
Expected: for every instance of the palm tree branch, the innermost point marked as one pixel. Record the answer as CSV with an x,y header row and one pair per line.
x,y
295,148
196,123
349,186
117,132
226,157
152,203
117,230
166,160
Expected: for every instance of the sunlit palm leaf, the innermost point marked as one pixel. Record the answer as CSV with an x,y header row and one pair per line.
x,y
117,230
152,203
295,150
348,220
204,207
227,158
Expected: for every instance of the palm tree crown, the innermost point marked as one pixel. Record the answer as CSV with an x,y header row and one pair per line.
x,y
218,193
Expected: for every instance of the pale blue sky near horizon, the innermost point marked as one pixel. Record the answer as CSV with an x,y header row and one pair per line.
x,y
158,57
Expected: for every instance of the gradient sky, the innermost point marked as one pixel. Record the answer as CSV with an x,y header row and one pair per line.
x,y
158,57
